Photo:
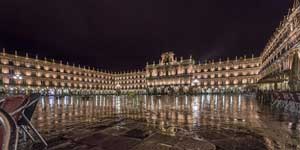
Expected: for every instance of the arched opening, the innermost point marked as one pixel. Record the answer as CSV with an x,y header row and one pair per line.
x,y
294,77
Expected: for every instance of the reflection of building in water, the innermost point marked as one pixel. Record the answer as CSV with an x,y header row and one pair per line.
x,y
278,67
183,111
56,116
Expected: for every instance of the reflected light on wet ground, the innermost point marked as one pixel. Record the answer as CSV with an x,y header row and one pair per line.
x,y
209,113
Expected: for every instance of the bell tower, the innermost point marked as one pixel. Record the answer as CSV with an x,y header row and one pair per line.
x,y
167,58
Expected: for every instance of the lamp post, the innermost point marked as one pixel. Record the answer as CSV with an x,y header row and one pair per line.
x,y
17,77
118,89
2,87
194,85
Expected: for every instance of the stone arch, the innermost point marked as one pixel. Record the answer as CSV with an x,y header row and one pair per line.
x,y
294,77
195,82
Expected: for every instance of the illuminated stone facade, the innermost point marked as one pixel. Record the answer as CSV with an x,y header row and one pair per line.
x,y
280,58
278,68
171,75
24,74
130,82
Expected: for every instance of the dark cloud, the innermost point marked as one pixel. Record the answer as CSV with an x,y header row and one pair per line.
x,y
121,35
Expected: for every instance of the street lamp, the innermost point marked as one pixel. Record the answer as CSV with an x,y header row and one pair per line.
x,y
195,82
118,86
19,77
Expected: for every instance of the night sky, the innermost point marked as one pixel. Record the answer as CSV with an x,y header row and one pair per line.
x,y
124,34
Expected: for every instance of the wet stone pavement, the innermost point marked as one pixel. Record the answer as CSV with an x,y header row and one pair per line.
x,y
128,134
162,123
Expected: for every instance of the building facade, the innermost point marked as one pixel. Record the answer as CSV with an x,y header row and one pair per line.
x,y
171,75
24,74
280,58
277,68
130,82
